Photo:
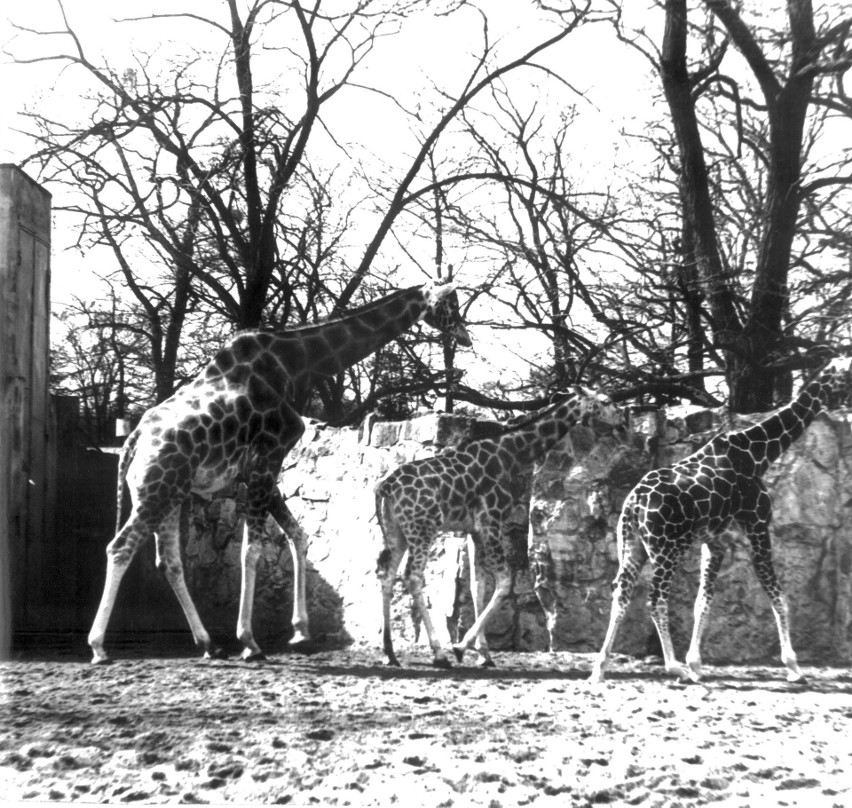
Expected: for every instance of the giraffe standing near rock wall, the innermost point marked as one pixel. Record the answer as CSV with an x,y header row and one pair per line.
x,y
236,422
469,488
713,493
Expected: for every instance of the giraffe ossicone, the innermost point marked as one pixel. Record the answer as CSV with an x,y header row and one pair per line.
x,y
470,488
713,493
237,421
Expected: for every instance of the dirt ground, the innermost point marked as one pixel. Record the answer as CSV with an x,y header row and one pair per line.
x,y
341,728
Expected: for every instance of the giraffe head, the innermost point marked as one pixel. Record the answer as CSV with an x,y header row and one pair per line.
x,y
836,377
443,314
597,406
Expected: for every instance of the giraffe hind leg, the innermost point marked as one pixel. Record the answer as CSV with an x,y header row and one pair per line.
x,y
633,557
119,554
712,555
386,568
387,565
170,564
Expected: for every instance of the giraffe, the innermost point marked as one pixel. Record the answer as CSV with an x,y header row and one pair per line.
x,y
236,422
708,496
469,488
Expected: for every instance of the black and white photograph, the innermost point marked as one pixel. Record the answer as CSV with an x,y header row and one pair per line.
x,y
436,403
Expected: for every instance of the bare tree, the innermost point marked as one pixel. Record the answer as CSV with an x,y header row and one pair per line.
x,y
204,170
742,139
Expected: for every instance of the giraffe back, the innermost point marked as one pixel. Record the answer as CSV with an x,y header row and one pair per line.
x,y
485,475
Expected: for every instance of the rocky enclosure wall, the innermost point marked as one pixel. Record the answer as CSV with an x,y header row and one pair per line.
x,y
564,533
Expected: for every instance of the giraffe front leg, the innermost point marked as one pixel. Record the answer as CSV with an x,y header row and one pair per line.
x,y
660,616
788,656
478,587
502,588
415,585
298,542
250,553
761,552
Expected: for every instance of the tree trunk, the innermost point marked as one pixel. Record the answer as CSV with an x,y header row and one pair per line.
x,y
746,345
694,186
757,389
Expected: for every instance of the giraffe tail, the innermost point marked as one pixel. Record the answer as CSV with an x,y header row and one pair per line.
x,y
128,452
385,519
381,506
384,556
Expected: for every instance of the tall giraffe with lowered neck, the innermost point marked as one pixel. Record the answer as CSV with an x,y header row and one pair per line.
x,y
236,422
470,487
713,492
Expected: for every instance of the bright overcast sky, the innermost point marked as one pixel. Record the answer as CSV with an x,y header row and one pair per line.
x,y
439,49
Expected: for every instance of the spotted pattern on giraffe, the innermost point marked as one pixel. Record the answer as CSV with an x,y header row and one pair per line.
x,y
470,488
710,497
237,421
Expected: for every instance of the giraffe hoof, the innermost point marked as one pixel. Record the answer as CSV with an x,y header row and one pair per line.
x,y
102,660
442,662
682,673
459,652
488,663
216,653
393,662
597,676
257,656
299,638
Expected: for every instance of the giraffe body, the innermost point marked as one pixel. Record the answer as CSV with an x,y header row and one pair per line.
x,y
711,496
470,488
236,422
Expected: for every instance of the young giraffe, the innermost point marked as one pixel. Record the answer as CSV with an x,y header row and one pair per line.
x,y
237,421
470,488
707,496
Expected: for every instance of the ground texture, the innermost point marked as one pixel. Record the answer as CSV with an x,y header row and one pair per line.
x,y
341,728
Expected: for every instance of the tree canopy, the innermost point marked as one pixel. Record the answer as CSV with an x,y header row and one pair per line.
x,y
267,168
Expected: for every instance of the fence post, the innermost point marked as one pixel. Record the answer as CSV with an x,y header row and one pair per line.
x,y
24,412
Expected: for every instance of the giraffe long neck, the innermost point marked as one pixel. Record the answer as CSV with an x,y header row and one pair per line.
x,y
533,439
766,441
329,348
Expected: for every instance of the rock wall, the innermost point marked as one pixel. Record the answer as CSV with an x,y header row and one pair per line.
x,y
565,557
576,500
328,481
